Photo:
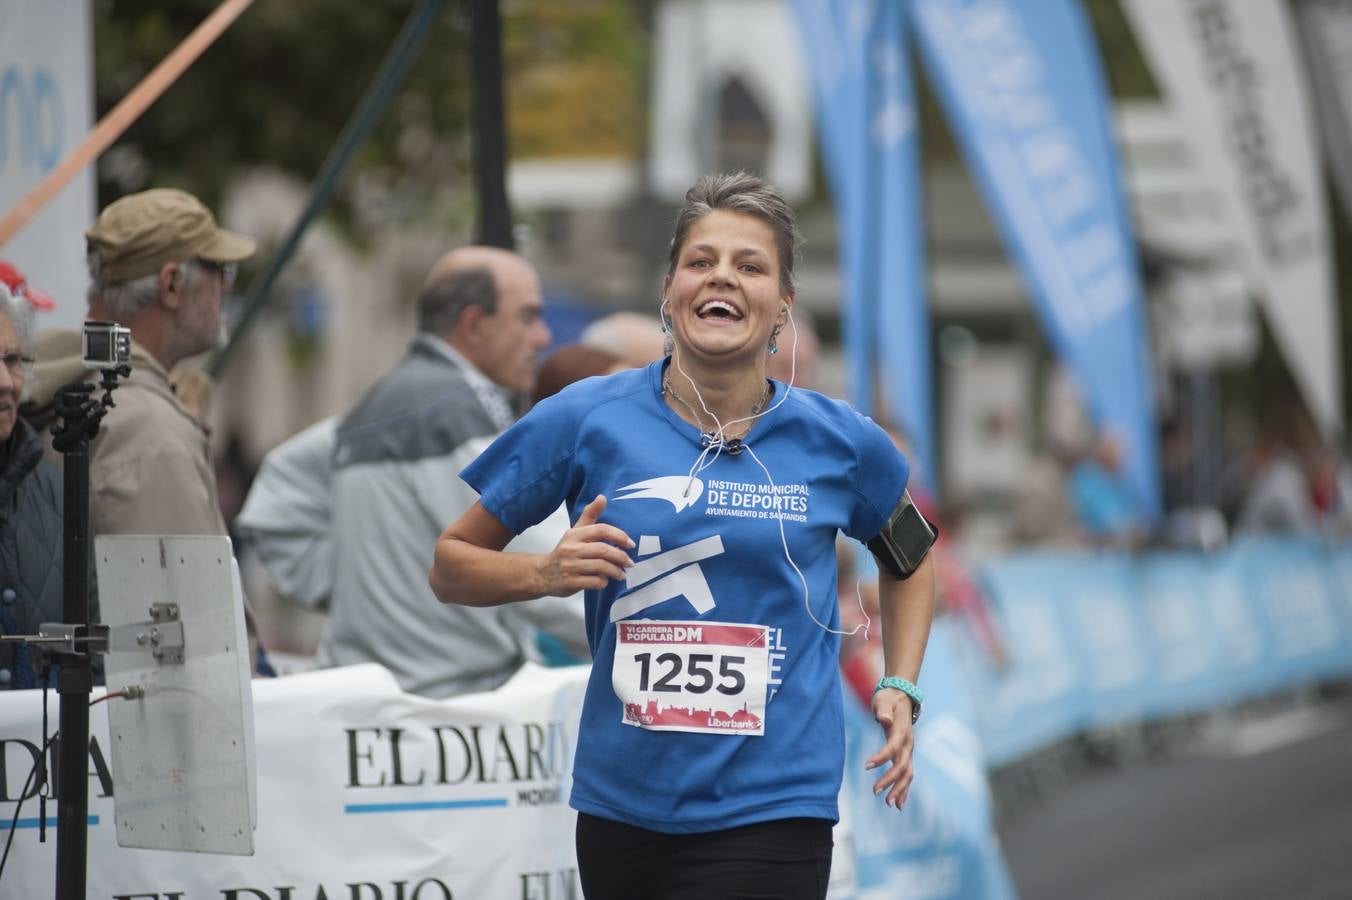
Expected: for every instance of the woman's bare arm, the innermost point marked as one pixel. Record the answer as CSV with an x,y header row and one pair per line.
x,y
907,612
469,565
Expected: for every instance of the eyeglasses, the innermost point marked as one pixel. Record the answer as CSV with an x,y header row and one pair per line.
x,y
17,363
227,270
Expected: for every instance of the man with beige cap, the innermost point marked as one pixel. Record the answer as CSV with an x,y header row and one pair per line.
x,y
160,266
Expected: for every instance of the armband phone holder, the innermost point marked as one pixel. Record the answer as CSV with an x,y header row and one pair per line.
x,y
904,540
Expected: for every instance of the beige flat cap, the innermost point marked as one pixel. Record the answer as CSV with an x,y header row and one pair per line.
x,y
141,232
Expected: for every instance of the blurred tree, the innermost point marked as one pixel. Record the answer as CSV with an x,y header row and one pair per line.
x,y
575,77
276,89
1128,73
279,85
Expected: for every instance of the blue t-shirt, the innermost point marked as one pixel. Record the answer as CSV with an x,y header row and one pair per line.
x,y
833,470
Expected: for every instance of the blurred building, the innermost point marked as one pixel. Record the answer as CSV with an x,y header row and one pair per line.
x,y
726,95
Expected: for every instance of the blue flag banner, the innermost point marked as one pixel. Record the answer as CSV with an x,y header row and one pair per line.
x,y
1024,90
865,107
834,33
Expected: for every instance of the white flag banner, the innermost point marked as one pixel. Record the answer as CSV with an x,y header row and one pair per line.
x,y
1231,71
46,109
1326,27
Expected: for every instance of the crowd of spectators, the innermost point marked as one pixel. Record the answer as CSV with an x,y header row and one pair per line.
x,y
160,266
1282,477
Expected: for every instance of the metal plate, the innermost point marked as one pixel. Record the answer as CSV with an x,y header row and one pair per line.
x,y
183,753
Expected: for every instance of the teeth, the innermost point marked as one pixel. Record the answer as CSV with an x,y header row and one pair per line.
x,y
712,305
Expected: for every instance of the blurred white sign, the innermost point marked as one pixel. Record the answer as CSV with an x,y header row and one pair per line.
x,y
1203,315
986,399
46,109
1205,319
700,48
1326,26
1230,69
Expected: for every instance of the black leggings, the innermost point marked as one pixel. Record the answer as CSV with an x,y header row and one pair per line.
x,y
785,859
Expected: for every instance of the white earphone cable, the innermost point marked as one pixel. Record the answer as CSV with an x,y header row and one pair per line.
x,y
717,444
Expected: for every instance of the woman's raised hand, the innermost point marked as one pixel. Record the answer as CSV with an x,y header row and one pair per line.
x,y
588,556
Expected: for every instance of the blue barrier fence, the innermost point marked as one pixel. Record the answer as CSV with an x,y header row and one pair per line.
x,y
1098,640
1093,640
942,844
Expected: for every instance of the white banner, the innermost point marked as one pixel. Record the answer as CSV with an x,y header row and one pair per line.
x,y
365,793
46,109
1326,27
1230,70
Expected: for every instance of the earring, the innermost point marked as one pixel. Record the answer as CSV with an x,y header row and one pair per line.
x,y
774,339
668,340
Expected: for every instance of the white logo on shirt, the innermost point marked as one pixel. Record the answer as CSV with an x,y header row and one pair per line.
x,y
674,581
681,491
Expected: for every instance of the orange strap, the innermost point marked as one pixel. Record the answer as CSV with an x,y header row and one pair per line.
x,y
110,128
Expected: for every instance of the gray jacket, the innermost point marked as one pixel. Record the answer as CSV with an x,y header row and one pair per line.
x,y
347,516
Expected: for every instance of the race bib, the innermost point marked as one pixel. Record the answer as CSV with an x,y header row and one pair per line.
x,y
706,677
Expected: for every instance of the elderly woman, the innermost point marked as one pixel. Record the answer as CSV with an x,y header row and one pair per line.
x,y
707,500
30,506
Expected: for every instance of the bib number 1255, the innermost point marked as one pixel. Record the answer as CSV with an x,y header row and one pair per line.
x,y
705,677
699,672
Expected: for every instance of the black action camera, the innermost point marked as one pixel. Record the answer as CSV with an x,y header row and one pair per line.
x,y
107,345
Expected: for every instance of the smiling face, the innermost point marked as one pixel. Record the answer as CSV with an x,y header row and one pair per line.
x,y
723,296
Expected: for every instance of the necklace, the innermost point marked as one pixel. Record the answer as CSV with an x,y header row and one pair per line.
x,y
699,422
